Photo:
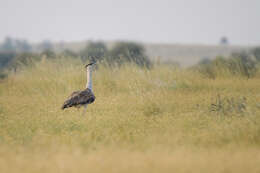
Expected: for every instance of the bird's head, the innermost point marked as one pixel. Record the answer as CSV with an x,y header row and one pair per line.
x,y
90,64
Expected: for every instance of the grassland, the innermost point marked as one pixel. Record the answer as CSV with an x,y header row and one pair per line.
x,y
160,120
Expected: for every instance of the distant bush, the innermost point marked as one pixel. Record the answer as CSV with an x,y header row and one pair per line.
x,y
206,70
2,75
22,46
24,59
256,53
239,64
94,51
45,45
6,58
205,61
128,52
48,53
242,64
121,53
15,45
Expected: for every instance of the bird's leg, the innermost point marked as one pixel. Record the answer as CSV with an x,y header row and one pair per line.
x,y
85,109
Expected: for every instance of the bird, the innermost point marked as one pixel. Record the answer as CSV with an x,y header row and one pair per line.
x,y
84,97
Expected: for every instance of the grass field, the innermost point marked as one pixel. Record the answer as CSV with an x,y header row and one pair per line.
x,y
160,120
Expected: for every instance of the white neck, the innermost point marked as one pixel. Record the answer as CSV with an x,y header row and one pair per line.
x,y
89,78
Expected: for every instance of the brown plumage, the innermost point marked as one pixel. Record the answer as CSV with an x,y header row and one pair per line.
x,y
79,98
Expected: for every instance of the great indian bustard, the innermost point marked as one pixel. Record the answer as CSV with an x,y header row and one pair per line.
x,y
84,97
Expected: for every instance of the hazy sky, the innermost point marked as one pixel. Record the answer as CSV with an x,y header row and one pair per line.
x,y
168,21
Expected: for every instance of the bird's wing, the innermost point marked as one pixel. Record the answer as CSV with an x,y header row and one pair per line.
x,y
79,98
74,94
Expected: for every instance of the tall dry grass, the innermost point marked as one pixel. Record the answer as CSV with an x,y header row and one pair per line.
x,y
158,120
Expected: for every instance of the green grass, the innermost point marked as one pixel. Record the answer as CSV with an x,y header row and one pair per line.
x,y
158,120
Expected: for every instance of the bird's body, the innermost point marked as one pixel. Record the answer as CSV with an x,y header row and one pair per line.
x,y
84,97
79,98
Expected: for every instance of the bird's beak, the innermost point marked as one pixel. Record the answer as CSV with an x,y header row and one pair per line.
x,y
92,63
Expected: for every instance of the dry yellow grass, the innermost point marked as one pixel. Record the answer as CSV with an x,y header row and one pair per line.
x,y
158,120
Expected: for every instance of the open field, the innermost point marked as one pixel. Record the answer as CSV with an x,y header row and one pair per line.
x,y
160,120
